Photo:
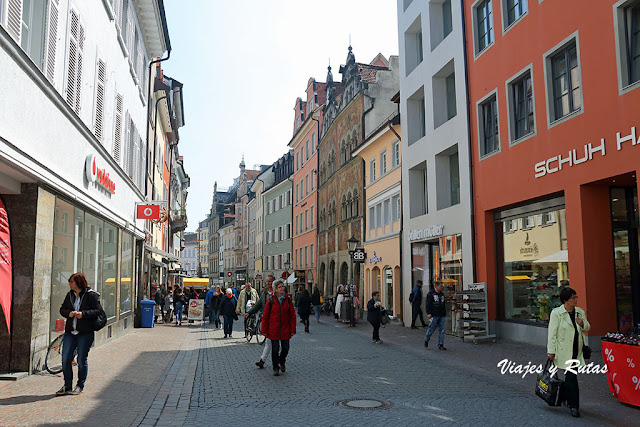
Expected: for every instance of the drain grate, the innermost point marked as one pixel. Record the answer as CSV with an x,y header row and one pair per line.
x,y
364,404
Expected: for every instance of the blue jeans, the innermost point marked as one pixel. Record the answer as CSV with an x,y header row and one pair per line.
x,y
316,309
214,315
436,322
178,312
228,324
81,342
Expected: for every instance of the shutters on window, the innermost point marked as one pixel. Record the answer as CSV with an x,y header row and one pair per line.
x,y
101,76
135,167
52,40
117,132
139,64
74,68
126,153
117,11
131,32
143,162
14,19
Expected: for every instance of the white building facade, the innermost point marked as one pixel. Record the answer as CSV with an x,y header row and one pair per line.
x,y
72,126
436,182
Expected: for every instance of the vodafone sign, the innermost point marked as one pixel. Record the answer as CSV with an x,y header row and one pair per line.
x,y
94,173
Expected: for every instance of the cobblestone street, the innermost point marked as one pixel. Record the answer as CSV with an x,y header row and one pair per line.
x,y
193,376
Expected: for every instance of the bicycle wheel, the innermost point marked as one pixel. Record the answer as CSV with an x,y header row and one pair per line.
x,y
259,337
249,328
53,359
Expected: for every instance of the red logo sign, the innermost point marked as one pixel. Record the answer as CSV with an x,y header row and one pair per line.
x,y
100,176
148,212
229,273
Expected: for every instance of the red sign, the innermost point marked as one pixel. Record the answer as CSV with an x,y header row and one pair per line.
x,y
623,371
148,212
100,176
229,273
5,266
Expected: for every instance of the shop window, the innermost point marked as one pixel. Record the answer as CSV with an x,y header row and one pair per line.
x,y
126,273
458,243
534,266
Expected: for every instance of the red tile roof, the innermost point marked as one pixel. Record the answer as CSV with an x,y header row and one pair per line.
x,y
368,72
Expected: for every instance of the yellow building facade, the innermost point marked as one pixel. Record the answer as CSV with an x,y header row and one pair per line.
x,y
383,229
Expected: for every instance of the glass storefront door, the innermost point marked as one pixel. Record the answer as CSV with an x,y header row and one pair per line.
x,y
626,255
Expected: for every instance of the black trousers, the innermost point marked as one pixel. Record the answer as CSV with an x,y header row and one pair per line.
x,y
570,390
305,319
278,355
415,312
376,330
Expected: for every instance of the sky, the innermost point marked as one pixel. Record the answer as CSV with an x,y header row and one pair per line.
x,y
243,65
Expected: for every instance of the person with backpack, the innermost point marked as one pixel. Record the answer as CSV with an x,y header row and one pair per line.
x,y
437,312
316,302
180,301
415,299
304,308
81,307
228,311
279,325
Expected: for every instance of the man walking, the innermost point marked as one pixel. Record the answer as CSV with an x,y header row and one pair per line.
x,y
247,294
416,305
260,304
437,312
279,325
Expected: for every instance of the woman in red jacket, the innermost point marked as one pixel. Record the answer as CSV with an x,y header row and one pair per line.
x,y
279,325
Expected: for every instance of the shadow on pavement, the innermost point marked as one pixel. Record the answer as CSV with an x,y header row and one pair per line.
x,y
20,400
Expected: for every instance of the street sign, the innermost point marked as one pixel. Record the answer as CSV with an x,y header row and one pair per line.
x,y
229,273
359,255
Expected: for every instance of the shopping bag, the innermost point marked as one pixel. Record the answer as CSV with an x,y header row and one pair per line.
x,y
549,388
384,317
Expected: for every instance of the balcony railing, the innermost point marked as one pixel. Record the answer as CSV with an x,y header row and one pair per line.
x,y
178,220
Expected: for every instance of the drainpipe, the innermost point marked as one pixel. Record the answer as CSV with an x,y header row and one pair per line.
x,y
466,70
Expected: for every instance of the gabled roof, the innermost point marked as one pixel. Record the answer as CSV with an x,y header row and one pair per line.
x,y
368,72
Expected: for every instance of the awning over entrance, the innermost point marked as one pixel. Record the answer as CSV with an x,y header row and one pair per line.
x,y
162,253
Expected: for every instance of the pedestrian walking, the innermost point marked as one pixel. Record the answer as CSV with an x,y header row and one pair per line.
x,y
157,297
374,309
304,308
216,300
180,301
228,311
246,295
208,306
437,312
259,306
168,307
279,325
81,306
316,301
163,294
415,299
565,342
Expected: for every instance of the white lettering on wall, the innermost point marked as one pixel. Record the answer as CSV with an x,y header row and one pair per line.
x,y
427,233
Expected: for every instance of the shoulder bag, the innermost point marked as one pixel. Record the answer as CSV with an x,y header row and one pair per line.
x,y
548,387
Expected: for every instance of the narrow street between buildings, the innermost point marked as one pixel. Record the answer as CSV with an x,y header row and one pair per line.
x,y
191,375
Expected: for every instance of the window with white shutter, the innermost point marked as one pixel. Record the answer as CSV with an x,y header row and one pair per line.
x,y
117,11
126,153
14,19
117,129
98,120
135,167
131,31
74,66
52,39
143,161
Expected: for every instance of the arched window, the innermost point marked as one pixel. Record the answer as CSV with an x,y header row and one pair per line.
x,y
355,204
343,216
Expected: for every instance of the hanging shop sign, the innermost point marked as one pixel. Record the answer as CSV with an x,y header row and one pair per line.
x,y
581,155
94,173
229,273
426,233
148,212
375,259
359,255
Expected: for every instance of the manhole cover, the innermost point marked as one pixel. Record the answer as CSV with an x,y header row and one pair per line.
x,y
364,404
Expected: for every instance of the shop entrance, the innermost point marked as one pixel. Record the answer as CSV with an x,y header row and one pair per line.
x,y
626,253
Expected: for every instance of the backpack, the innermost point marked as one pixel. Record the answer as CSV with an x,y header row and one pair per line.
x,y
270,302
411,297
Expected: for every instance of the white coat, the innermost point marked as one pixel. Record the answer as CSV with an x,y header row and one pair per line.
x,y
561,334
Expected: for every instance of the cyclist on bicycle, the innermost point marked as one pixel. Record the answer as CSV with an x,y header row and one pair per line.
x,y
246,295
257,308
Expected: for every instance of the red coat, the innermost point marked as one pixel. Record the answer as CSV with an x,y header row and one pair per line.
x,y
279,320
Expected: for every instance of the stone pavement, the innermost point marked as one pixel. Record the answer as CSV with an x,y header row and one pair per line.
x,y
192,376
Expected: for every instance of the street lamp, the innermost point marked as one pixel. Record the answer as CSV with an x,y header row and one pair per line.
x,y
352,243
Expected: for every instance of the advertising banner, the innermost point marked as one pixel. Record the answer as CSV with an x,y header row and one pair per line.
x,y
5,267
196,309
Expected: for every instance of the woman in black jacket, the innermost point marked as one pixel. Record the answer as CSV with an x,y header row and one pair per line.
x,y
228,311
80,307
374,308
315,302
304,308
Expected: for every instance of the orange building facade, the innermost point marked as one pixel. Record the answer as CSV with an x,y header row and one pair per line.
x,y
304,144
554,132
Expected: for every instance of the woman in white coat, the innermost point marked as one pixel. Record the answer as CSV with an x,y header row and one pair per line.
x,y
566,339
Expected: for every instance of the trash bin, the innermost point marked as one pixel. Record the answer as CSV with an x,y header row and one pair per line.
x,y
345,310
148,309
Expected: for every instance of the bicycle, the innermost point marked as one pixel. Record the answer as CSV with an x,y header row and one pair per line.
x,y
327,308
252,326
53,359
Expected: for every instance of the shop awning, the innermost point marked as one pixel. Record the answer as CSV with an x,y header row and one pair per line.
x,y
560,256
162,253
518,278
